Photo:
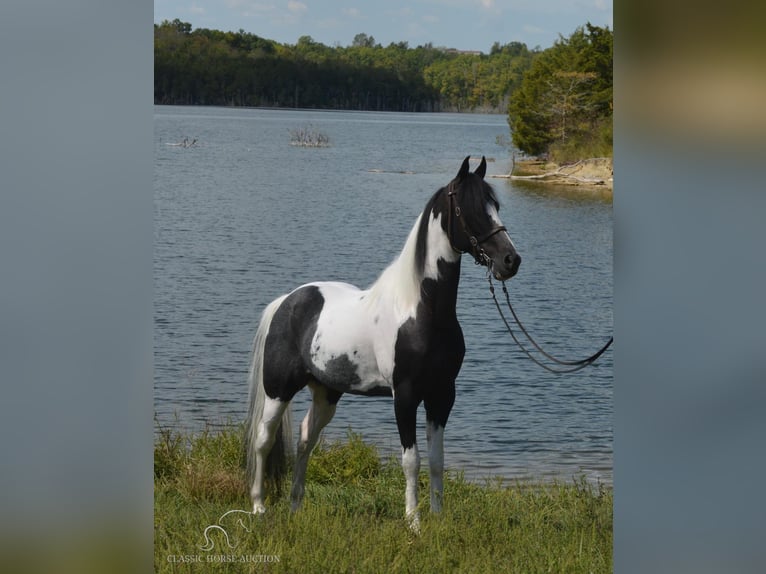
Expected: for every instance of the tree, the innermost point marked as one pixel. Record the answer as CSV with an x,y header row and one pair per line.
x,y
567,99
211,67
564,102
363,41
180,27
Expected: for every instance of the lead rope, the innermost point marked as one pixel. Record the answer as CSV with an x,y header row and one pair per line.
x,y
576,365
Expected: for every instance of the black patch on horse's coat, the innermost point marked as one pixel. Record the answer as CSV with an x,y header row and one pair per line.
x,y
289,363
339,368
341,372
291,331
428,354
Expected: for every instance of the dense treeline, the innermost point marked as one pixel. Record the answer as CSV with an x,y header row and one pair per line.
x,y
559,100
209,67
563,106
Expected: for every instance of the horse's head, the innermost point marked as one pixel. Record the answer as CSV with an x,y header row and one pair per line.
x,y
473,223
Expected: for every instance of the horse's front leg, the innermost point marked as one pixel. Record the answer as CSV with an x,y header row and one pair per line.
x,y
435,437
438,407
405,407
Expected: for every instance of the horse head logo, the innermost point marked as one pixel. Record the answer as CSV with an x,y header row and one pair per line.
x,y
219,526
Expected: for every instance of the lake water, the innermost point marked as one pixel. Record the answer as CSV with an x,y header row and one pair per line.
x,y
243,216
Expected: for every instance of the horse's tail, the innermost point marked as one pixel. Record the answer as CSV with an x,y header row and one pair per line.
x,y
276,462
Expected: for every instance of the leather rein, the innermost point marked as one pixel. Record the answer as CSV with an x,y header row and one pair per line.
x,y
481,258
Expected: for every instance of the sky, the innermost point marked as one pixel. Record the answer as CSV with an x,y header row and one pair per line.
x,y
460,24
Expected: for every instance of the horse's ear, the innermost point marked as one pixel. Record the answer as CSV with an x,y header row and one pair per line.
x,y
482,169
463,169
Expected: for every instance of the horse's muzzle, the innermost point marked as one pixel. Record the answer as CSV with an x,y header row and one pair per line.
x,y
507,268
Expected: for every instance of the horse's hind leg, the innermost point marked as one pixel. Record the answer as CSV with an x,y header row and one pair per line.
x,y
273,409
320,413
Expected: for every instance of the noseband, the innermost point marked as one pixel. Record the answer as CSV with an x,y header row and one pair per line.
x,y
477,251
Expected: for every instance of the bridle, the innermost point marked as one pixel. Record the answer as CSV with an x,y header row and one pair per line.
x,y
481,258
477,251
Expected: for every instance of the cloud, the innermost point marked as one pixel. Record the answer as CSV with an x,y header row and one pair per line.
x,y
196,9
296,7
491,8
403,12
351,12
250,7
529,29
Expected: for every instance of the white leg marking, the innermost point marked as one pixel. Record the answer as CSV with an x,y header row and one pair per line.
x,y
435,437
265,436
320,413
411,467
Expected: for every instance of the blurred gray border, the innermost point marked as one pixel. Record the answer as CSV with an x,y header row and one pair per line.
x,y
76,290
690,279
75,297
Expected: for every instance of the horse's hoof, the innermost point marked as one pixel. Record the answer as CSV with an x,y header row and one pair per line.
x,y
415,524
258,508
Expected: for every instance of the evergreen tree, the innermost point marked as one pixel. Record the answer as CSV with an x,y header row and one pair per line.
x,y
564,102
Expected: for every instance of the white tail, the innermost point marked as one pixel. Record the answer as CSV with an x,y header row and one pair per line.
x,y
276,466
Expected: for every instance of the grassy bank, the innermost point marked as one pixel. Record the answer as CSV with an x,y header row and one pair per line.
x,y
352,517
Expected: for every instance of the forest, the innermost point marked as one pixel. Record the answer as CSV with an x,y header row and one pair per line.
x,y
209,67
555,98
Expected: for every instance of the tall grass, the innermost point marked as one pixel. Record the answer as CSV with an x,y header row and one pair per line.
x,y
352,519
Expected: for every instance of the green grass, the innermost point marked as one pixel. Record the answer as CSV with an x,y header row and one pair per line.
x,y
589,142
352,519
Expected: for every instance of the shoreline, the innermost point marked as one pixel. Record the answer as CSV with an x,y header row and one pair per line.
x,y
592,173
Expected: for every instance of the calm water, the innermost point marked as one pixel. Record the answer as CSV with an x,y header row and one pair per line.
x,y
244,217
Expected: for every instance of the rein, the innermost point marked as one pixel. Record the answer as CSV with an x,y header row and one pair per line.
x,y
572,366
481,258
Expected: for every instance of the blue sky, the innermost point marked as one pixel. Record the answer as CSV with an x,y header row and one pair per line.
x,y
461,24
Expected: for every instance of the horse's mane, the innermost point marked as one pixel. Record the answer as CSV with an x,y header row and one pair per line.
x,y
402,278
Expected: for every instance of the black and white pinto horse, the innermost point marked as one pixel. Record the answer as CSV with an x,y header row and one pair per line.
x,y
399,338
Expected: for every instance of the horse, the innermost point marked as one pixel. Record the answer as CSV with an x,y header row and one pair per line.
x,y
398,338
